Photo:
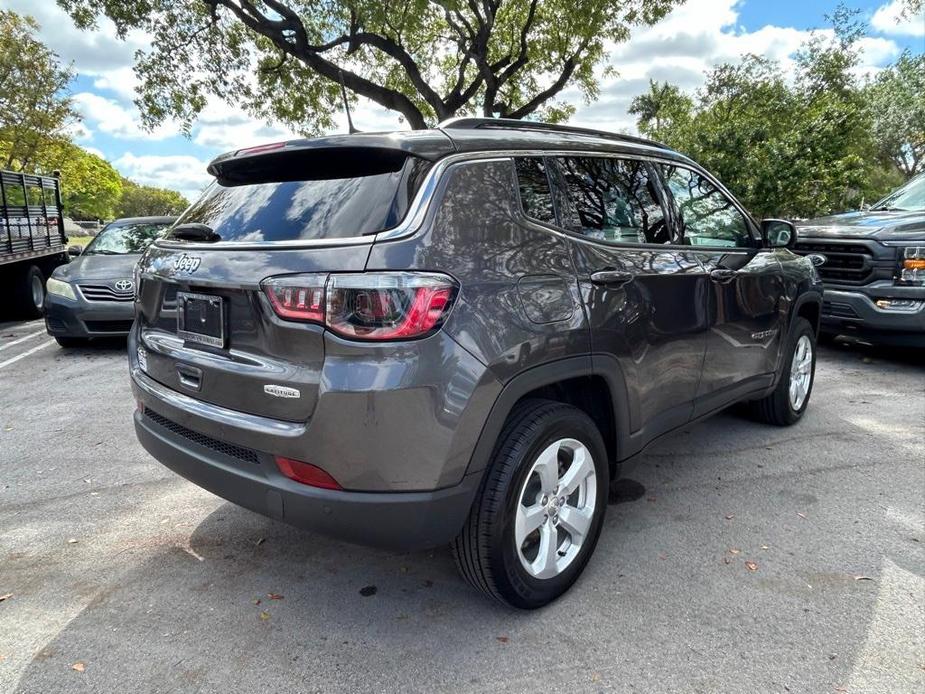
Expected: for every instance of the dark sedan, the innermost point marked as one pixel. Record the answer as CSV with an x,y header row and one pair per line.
x,y
92,295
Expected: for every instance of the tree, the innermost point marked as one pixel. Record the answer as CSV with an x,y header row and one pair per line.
x,y
897,106
90,186
148,201
663,111
35,107
796,145
426,59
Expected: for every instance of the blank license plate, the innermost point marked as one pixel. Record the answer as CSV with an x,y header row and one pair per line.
x,y
201,318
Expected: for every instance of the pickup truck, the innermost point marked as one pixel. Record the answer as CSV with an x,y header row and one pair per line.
x,y
32,239
874,269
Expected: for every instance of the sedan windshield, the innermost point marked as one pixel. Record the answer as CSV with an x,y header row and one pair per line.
x,y
125,238
909,198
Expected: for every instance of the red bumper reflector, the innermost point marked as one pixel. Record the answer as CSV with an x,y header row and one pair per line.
x,y
306,473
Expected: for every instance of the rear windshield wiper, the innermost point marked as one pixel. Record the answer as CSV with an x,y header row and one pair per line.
x,y
193,231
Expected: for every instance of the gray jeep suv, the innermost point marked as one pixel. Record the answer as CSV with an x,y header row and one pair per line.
x,y
458,335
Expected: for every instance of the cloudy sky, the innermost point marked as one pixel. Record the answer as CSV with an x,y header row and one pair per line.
x,y
697,36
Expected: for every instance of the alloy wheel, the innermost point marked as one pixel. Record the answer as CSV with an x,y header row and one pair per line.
x,y
555,508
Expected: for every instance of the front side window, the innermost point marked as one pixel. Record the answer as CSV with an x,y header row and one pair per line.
x,y
707,217
535,193
613,200
125,238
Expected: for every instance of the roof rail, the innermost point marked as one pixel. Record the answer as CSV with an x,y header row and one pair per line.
x,y
464,123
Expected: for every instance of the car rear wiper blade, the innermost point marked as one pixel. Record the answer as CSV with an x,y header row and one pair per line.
x,y
193,231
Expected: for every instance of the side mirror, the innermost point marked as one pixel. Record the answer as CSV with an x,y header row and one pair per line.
x,y
779,233
74,250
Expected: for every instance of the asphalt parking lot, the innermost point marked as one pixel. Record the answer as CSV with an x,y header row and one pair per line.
x,y
735,558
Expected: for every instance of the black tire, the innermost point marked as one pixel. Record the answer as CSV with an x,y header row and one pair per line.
x,y
24,299
485,550
68,342
777,408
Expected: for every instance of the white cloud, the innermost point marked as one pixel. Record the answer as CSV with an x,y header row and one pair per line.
x,y
889,19
114,118
92,52
181,172
689,42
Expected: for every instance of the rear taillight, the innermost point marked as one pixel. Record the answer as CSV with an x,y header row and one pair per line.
x,y
366,306
297,297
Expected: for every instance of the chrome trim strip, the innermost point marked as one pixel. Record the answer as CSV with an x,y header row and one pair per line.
x,y
199,408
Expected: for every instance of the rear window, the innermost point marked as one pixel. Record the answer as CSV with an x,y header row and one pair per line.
x,y
319,208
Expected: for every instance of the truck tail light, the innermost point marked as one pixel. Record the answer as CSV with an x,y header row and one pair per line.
x,y
366,306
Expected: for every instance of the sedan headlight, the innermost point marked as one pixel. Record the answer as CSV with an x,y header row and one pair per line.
x,y
59,288
912,267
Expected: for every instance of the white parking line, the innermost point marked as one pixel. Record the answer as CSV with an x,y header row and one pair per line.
x,y
22,339
25,354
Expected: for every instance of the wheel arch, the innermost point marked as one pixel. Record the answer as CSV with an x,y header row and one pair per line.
x,y
574,381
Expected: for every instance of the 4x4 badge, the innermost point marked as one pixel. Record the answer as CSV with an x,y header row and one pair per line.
x,y
187,263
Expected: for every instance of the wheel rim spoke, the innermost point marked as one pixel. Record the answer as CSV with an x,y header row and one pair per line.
x,y
577,472
528,519
547,467
544,566
576,522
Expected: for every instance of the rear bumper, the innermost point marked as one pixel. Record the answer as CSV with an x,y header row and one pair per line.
x,y
854,313
394,520
81,318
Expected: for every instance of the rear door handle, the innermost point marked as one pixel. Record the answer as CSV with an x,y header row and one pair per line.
x,y
611,278
723,276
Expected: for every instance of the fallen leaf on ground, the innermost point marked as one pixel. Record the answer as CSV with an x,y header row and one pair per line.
x,y
274,596
734,550
261,541
6,597
72,541
764,547
595,677
801,515
863,578
751,566
264,615
730,517
256,601
80,667
727,560
503,639
366,591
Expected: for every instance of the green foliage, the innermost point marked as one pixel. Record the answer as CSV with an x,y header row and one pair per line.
x,y
90,187
897,106
426,59
148,201
35,107
796,145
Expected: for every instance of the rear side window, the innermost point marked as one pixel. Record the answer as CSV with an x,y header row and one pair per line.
x,y
707,216
535,193
319,208
613,200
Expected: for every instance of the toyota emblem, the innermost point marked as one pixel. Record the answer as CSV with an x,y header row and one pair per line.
x,y
124,286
